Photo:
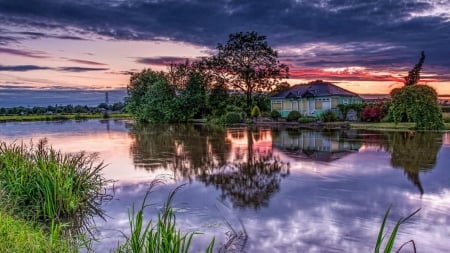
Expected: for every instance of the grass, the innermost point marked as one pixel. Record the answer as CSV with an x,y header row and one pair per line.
x,y
56,117
387,126
46,186
161,237
18,235
389,245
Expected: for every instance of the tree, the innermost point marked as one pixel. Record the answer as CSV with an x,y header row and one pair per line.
x,y
248,64
192,99
137,89
417,103
414,74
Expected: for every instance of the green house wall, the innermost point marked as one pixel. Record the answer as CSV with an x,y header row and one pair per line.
x,y
307,106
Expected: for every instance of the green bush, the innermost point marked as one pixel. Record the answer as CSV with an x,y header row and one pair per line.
x,y
307,120
46,185
275,115
255,112
417,103
233,118
293,116
328,116
265,114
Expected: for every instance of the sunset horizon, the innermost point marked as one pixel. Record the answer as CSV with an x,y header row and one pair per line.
x,y
366,48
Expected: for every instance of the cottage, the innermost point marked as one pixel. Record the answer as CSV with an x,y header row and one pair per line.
x,y
312,99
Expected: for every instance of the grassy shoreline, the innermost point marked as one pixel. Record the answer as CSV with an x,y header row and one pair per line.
x,y
388,126
56,117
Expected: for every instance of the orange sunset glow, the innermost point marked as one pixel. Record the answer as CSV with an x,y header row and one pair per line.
x,y
367,48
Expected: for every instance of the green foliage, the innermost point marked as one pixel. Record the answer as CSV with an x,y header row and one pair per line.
x,y
328,116
262,100
192,100
390,243
233,118
18,235
248,64
45,185
255,112
161,237
344,109
217,100
275,114
137,89
307,120
293,116
417,103
414,74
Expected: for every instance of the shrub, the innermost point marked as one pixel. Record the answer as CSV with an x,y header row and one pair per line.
x,y
233,118
160,236
374,112
255,112
417,103
275,115
307,120
328,116
293,116
47,185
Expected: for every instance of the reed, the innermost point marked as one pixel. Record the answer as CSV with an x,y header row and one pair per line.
x,y
47,186
161,237
390,243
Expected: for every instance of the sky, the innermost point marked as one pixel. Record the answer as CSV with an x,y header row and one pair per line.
x,y
363,46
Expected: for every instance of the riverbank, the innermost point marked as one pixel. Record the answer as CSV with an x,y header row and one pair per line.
x,y
56,117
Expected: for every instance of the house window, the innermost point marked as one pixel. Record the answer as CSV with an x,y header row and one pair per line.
x,y
287,105
276,105
345,101
334,103
318,104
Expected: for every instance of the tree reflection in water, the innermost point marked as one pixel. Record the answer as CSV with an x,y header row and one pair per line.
x,y
227,159
414,152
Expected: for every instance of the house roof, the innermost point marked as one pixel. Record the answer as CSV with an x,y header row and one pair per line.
x,y
314,89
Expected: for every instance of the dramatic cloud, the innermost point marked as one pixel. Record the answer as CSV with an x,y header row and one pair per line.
x,y
381,34
161,61
87,62
22,68
24,53
80,69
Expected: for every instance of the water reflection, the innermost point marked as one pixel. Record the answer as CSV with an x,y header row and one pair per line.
x,y
414,153
238,161
317,146
252,178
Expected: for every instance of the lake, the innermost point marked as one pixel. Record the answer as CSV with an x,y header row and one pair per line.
x,y
281,190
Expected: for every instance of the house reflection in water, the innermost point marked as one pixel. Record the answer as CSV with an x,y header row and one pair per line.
x,y
317,146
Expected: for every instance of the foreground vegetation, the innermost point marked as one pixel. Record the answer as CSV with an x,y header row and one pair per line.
x,y
18,235
159,237
60,192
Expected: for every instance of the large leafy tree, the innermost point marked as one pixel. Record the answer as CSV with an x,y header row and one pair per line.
x,y
416,103
247,63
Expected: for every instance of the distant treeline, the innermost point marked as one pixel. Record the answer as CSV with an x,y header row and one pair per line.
x,y
64,109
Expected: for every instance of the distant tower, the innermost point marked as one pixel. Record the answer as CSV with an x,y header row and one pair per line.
x,y
107,98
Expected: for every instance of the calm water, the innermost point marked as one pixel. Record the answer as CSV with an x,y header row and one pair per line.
x,y
290,191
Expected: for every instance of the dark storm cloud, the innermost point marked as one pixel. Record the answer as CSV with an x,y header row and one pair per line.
x,y
161,61
22,68
25,68
80,69
87,62
24,53
287,23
